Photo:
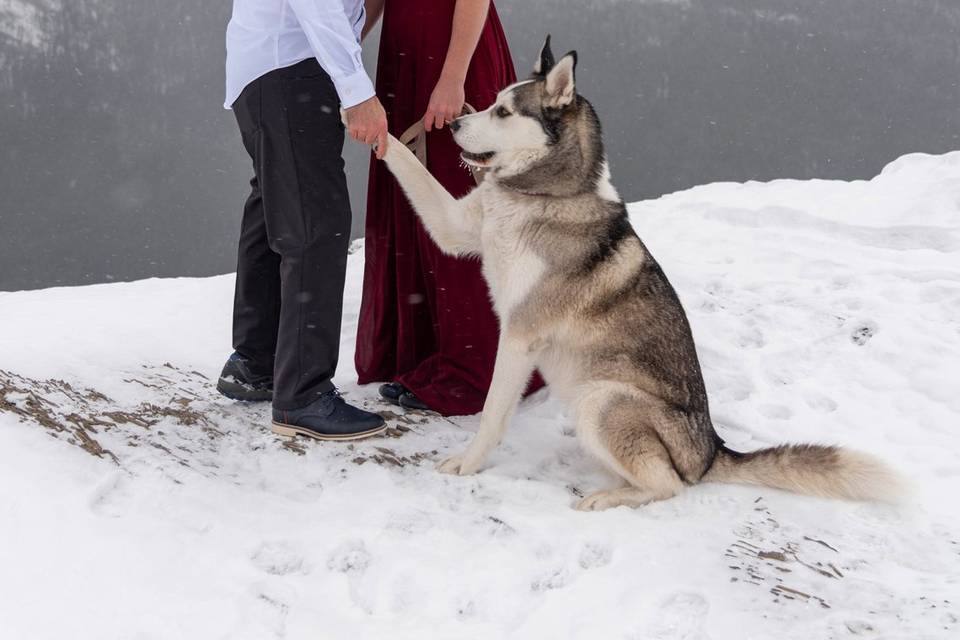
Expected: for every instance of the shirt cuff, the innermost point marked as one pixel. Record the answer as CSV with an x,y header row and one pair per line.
x,y
354,88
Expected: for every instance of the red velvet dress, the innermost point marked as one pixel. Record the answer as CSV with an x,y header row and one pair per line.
x,y
426,320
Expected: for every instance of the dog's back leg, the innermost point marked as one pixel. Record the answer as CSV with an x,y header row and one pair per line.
x,y
616,428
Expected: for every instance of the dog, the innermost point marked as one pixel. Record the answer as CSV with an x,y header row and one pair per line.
x,y
581,299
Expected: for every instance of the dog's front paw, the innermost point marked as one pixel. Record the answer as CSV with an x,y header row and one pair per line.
x,y
393,149
460,465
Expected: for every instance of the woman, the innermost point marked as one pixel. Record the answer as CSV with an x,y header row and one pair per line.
x,y
425,321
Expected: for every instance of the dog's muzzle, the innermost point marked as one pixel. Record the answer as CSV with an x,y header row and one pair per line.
x,y
477,159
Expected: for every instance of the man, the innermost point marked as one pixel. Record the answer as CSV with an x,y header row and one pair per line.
x,y
291,66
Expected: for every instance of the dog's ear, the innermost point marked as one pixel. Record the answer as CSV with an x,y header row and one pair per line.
x,y
544,60
561,83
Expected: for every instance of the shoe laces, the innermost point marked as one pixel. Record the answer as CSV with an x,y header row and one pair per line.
x,y
334,394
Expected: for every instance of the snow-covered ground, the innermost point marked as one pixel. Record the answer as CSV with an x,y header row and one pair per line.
x,y
823,311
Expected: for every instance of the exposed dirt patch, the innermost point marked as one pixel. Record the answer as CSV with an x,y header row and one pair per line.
x,y
81,415
179,413
762,555
388,457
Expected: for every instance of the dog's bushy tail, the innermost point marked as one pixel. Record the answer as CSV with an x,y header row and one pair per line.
x,y
828,472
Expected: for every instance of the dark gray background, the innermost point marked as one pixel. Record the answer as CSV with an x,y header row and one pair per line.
x,y
118,163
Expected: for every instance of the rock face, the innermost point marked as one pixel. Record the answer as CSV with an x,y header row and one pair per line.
x,y
118,163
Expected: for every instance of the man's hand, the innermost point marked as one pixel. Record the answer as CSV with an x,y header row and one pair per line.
x,y
367,123
446,103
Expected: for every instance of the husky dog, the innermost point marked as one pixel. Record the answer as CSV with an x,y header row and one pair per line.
x,y
580,298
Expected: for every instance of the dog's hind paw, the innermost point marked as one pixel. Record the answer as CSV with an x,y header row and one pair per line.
x,y
458,466
594,502
612,498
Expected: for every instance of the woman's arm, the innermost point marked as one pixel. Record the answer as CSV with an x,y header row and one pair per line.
x,y
447,98
374,9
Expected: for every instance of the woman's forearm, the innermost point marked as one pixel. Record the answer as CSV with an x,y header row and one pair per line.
x,y
469,16
374,9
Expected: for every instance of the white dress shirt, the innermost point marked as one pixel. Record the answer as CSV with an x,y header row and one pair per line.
x,y
264,35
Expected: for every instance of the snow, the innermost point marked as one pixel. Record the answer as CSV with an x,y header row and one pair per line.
x,y
823,311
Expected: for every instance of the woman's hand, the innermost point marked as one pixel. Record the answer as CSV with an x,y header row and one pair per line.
x,y
446,103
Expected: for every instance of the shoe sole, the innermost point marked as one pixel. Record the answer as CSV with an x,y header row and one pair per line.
x,y
390,401
409,407
236,391
291,431
398,402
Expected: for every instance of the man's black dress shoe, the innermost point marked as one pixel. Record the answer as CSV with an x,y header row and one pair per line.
x,y
239,381
329,417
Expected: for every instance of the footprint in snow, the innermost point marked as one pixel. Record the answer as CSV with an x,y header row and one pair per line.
x,y
410,522
466,609
863,332
820,402
352,559
555,579
349,557
681,617
594,555
111,496
266,616
279,559
751,338
775,411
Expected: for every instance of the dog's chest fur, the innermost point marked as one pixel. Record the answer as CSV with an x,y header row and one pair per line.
x,y
510,265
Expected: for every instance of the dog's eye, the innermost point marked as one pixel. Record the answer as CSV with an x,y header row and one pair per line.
x,y
502,112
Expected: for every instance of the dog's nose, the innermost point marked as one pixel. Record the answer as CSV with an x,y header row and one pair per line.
x,y
455,124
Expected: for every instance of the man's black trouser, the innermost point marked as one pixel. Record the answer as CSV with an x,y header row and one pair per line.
x,y
295,232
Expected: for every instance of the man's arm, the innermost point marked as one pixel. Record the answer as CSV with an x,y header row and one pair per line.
x,y
333,41
335,45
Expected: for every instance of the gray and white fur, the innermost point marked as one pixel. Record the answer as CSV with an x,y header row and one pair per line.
x,y
580,298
